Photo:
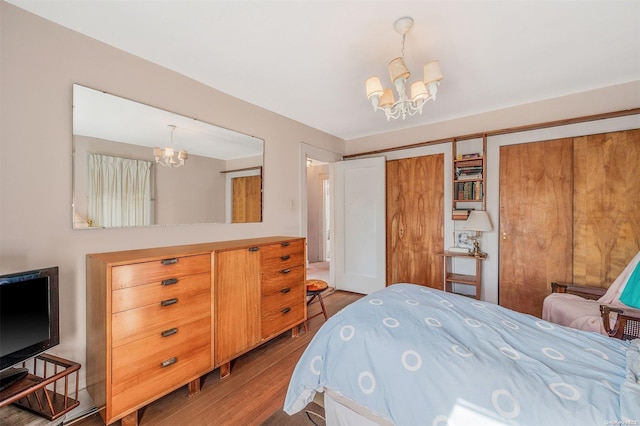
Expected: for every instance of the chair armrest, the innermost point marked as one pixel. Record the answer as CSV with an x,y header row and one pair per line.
x,y
587,292
627,325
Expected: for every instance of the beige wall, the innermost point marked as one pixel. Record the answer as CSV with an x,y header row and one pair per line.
x,y
40,62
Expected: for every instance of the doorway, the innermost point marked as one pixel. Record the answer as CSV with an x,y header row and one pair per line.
x,y
318,219
316,210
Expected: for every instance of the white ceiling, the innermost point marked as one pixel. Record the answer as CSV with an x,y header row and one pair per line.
x,y
308,60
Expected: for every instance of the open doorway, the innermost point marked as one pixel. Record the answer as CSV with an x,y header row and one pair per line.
x,y
316,210
318,219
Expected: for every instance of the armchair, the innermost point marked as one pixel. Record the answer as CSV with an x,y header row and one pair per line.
x,y
595,309
627,325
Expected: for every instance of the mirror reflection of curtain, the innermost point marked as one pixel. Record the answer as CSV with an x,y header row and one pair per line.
x,y
246,199
119,191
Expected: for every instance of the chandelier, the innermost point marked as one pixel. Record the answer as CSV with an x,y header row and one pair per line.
x,y
165,156
421,91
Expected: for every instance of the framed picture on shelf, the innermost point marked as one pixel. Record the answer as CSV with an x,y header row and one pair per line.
x,y
463,239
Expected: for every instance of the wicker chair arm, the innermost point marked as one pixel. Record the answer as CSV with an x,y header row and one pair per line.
x,y
587,292
627,325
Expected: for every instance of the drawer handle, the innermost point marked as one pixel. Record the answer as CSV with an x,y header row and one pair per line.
x,y
285,310
286,244
285,290
254,248
169,281
286,271
169,302
170,261
168,362
285,257
169,332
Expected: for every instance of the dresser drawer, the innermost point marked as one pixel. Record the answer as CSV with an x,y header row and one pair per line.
x,y
279,256
155,271
277,280
276,301
144,357
154,293
135,324
192,361
280,312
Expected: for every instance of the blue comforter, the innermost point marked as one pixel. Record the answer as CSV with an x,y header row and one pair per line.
x,y
419,356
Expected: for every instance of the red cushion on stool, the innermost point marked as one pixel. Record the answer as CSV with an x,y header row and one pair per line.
x,y
316,285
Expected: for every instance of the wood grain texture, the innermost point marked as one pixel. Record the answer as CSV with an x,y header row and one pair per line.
x,y
250,395
536,184
606,219
136,274
246,199
570,214
134,332
129,362
237,311
415,223
154,293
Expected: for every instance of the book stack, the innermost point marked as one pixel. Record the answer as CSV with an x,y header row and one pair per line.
x,y
469,170
470,191
460,214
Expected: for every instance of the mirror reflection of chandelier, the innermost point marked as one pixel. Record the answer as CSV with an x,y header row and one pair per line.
x,y
165,156
421,91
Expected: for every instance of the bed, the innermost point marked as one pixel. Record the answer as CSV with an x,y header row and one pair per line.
x,y
412,355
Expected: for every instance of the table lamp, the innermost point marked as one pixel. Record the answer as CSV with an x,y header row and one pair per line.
x,y
478,221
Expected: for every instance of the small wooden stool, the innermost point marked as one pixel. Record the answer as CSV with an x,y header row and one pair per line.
x,y
314,290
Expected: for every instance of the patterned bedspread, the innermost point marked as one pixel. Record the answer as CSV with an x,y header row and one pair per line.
x,y
419,356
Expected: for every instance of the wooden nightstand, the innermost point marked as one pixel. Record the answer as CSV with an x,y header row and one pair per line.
x,y
450,277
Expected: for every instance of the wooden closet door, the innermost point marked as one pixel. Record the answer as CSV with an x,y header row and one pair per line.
x,y
606,217
415,221
246,196
237,302
536,193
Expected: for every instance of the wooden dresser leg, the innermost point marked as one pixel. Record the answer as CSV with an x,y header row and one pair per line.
x,y
225,370
130,419
194,387
295,331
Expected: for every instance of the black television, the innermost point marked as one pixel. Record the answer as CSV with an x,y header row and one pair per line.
x,y
29,319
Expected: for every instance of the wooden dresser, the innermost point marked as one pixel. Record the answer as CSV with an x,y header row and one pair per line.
x,y
160,318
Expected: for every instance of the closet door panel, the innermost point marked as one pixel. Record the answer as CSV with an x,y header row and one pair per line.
x,y
606,219
536,193
415,197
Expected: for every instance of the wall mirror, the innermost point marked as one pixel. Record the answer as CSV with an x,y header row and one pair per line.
x,y
123,175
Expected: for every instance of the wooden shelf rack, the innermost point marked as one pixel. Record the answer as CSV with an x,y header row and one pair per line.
x,y
50,389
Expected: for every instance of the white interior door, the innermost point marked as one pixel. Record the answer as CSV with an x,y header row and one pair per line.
x,y
359,225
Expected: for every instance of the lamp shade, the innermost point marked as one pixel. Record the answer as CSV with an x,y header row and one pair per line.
x,y
374,87
432,72
398,69
386,100
418,91
478,221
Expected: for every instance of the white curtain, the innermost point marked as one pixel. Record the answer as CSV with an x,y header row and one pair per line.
x,y
119,191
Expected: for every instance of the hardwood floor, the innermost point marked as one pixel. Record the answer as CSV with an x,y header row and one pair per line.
x,y
254,391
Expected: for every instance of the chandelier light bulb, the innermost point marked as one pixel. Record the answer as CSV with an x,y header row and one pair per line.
x,y
421,91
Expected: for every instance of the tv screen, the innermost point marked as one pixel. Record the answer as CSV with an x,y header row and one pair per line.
x,y
28,314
